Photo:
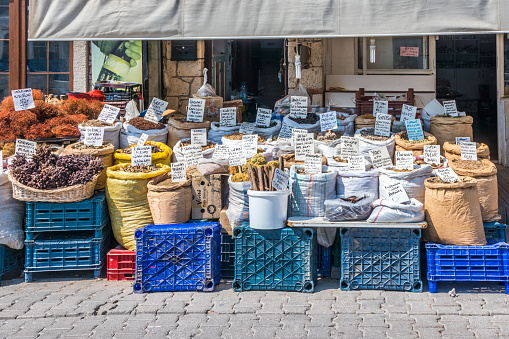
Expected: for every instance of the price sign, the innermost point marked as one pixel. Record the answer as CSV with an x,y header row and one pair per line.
x,y
298,132
409,51
383,125
356,163
408,112
250,144
285,134
396,193
380,107
303,145
141,156
280,180
405,160
237,156
23,99
414,130
263,117
108,114
178,172
468,151
380,157
431,154
192,154
94,136
142,140
199,137
228,117
450,108
221,152
328,121
447,174
299,107
434,108
25,147
247,128
155,110
349,146
195,110
459,140
313,163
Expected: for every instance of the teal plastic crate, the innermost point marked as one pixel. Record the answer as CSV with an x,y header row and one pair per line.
x,y
227,256
495,230
10,260
323,261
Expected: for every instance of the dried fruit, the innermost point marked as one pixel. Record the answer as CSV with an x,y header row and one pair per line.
x,y
210,144
311,119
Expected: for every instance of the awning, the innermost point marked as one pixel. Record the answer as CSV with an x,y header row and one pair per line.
x,y
239,19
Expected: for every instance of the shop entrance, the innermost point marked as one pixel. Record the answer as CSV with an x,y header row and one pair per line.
x,y
466,72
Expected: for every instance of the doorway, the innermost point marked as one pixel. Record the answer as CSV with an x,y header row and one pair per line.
x,y
466,72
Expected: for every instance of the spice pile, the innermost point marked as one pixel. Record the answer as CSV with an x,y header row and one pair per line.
x,y
369,133
155,149
272,124
311,119
238,136
81,145
437,180
471,164
7,148
255,161
329,136
96,123
145,125
404,136
138,169
434,166
210,145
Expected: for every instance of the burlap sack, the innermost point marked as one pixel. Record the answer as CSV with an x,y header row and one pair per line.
x,y
290,160
105,154
453,213
361,122
416,148
170,203
453,151
448,128
179,128
486,185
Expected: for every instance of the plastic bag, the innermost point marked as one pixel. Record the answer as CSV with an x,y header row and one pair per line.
x,y
309,127
366,145
217,132
131,111
339,210
347,125
206,90
268,132
163,157
357,183
179,153
282,106
386,210
111,133
129,135
412,182
238,208
13,212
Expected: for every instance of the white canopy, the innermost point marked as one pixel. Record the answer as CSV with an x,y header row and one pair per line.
x,y
224,19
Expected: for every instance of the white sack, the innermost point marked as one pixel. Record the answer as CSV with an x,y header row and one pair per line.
x,y
386,210
413,182
349,183
129,135
13,212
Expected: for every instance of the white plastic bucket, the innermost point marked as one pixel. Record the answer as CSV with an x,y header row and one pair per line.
x,y
268,210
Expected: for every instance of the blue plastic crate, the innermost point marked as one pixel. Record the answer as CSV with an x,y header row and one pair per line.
x,y
69,216
468,263
10,260
323,261
227,255
178,257
380,259
283,260
495,230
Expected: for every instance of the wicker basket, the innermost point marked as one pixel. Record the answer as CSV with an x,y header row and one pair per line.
x,y
67,194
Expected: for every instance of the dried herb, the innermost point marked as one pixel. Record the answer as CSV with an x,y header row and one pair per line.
x,y
39,131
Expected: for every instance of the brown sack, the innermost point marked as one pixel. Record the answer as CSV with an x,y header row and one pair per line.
x,y
179,128
487,186
362,122
170,202
453,151
105,154
453,213
416,148
448,128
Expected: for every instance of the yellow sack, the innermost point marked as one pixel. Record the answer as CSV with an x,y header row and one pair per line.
x,y
163,157
126,195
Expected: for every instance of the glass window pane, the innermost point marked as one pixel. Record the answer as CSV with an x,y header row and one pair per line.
x,y
58,84
4,85
59,56
383,53
4,2
38,81
405,46
36,56
4,22
4,56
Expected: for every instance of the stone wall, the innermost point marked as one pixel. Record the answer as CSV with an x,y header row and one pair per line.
x,y
80,64
312,78
182,79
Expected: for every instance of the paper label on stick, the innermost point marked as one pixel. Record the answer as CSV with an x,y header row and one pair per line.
x,y
195,110
155,110
396,192
199,136
178,171
263,117
221,152
383,125
380,157
328,121
405,160
228,117
142,140
141,155
303,145
408,112
380,107
192,153
247,128
250,144
26,148
450,108
356,163
468,151
460,140
447,174
108,114
298,107
349,146
414,130
94,136
285,134
237,156
431,154
23,99
280,180
313,163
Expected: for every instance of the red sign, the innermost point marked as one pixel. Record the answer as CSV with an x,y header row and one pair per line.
x,y
409,51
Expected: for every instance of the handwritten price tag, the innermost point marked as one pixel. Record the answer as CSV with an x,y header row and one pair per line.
x,y
247,128
328,121
408,112
94,136
432,154
155,110
380,106
396,193
199,137
25,147
468,151
23,99
447,175
414,130
383,125
280,180
142,140
405,160
250,144
108,114
313,163
178,172
263,117
228,117
356,163
380,157
298,106
192,154
450,108
141,156
195,110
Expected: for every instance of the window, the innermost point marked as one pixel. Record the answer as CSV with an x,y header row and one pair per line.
x,y
4,48
393,55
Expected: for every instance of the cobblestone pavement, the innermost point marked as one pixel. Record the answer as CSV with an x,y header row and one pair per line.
x,y
80,307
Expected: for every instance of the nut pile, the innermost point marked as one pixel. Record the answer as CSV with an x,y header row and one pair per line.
x,y
369,133
311,119
329,136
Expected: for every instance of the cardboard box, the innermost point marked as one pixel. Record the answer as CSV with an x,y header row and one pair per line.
x,y
208,195
225,223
